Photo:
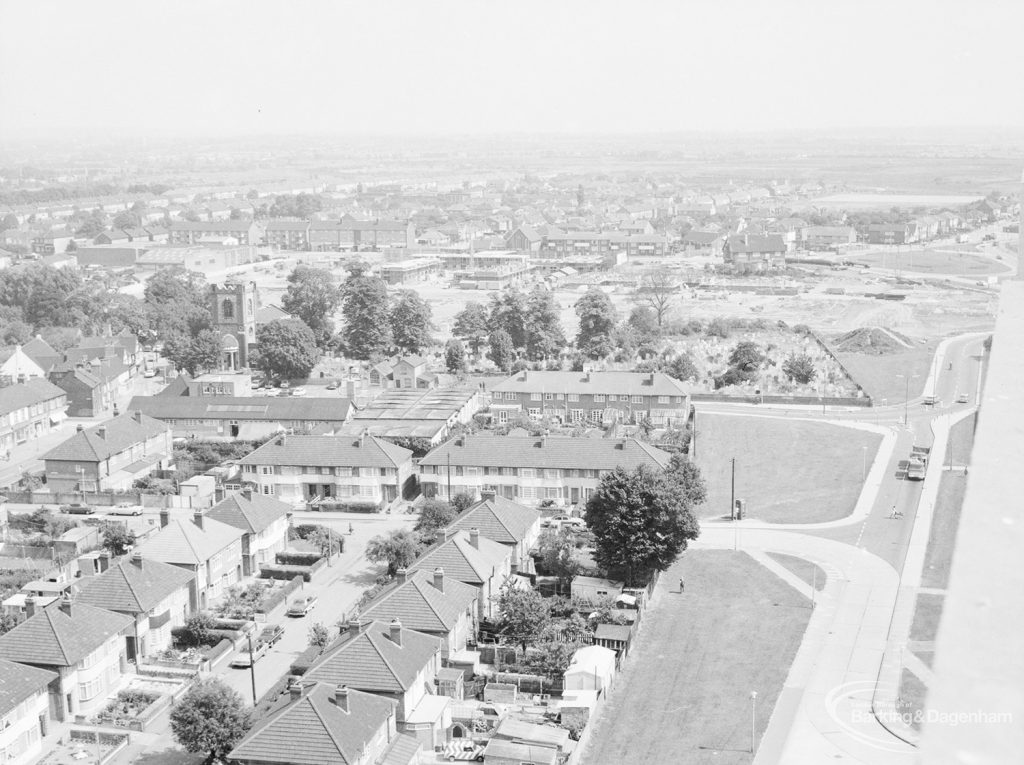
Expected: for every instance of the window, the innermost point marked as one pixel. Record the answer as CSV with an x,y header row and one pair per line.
x,y
598,398
472,471
90,689
576,415
266,470
527,473
366,491
268,489
574,396
552,473
561,397
535,397
344,472
637,399
227,309
596,415
549,396
664,399
535,412
613,397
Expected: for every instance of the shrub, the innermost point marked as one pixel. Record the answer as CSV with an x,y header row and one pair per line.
x,y
297,558
349,507
278,571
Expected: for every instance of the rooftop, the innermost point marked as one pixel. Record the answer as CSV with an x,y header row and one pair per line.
x,y
602,383
546,452
345,451
107,439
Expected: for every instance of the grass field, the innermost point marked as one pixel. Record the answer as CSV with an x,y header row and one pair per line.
x,y
684,696
961,440
942,539
934,262
927,613
804,569
877,374
787,471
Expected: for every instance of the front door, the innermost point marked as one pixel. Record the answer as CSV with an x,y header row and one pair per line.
x,y
575,492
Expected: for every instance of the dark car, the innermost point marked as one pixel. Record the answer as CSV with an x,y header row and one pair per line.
x,y
301,606
77,508
271,634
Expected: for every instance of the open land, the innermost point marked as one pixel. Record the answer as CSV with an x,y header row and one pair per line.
x,y
694,665
809,572
787,470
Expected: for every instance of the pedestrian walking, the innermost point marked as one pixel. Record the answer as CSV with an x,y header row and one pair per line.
x,y
682,585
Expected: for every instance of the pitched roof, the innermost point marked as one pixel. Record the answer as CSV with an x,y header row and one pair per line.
x,y
371,661
260,408
742,243
499,519
33,391
18,682
461,560
342,451
549,452
132,588
419,605
37,349
251,513
314,730
55,639
514,751
182,541
602,383
107,439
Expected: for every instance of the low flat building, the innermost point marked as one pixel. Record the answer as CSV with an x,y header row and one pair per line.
x,y
245,417
430,413
531,469
412,271
245,232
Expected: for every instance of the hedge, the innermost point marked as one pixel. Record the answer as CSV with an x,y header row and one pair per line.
x,y
349,507
278,595
214,652
297,558
279,571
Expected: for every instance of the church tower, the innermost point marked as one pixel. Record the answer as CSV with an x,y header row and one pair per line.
x,y
233,308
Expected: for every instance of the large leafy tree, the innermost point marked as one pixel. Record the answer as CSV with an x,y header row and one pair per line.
x,y
502,353
799,368
178,302
367,330
543,327
410,322
313,297
682,367
471,324
117,537
193,354
508,313
597,323
435,514
558,554
523,615
44,295
455,356
209,719
287,349
641,521
398,549
746,357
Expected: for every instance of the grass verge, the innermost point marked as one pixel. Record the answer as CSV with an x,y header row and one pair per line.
x,y
927,613
809,572
876,374
787,471
913,694
684,694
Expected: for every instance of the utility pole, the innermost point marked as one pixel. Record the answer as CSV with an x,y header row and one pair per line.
x,y
732,500
753,719
252,670
449,476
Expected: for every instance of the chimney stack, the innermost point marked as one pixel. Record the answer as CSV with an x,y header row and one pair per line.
x,y
137,416
523,378
101,431
442,535
439,579
396,632
294,687
30,607
65,604
341,697
103,561
165,517
403,575
247,493
197,518
474,538
486,494
137,561
353,627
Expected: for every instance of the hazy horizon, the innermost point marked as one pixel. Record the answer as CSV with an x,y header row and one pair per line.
x,y
316,68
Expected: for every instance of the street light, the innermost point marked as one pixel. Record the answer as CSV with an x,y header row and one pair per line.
x,y
753,719
864,464
906,398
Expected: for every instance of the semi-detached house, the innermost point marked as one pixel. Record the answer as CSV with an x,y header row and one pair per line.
x,y
154,594
28,411
597,397
530,469
24,716
303,468
82,645
264,524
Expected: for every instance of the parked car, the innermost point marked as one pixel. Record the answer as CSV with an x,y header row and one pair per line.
x,y
301,606
126,508
77,508
245,659
963,398
298,391
149,373
565,520
332,386
271,634
463,750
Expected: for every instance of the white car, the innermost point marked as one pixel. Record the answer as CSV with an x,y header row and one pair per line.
x,y
298,391
963,398
126,508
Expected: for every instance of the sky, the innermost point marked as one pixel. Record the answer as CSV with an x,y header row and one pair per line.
x,y
220,67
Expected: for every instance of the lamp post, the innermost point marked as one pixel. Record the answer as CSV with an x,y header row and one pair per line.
x,y
252,670
864,464
753,719
906,398
732,498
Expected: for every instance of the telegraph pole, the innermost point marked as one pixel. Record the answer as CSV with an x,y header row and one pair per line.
x,y
732,501
450,476
252,670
